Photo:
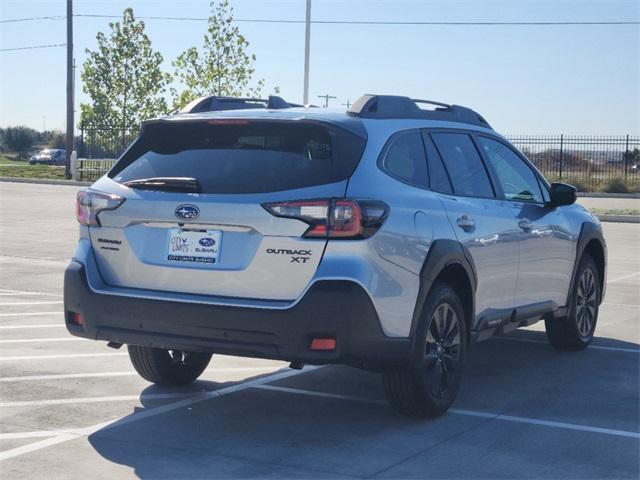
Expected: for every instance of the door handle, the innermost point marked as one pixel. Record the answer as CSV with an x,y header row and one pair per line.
x,y
466,223
526,224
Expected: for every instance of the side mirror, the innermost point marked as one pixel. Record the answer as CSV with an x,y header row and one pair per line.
x,y
562,194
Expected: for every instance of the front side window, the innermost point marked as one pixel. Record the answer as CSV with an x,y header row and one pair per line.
x,y
405,159
517,179
462,160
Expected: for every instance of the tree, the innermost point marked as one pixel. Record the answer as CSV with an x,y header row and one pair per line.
x,y
57,140
19,139
123,77
222,67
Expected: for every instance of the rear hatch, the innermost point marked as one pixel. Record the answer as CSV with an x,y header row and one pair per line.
x,y
193,221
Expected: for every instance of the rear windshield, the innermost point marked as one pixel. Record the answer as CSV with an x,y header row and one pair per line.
x,y
239,156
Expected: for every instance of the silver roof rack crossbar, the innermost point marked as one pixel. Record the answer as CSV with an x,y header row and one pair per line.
x,y
397,107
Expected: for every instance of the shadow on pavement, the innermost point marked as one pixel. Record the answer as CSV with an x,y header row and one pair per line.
x,y
264,433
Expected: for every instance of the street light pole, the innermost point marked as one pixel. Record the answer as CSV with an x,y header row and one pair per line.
x,y
307,39
69,137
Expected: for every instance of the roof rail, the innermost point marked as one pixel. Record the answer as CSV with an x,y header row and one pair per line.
x,y
397,107
215,103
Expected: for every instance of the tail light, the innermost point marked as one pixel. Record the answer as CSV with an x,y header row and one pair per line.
x,y
334,218
89,204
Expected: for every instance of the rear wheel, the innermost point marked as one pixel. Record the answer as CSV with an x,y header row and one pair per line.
x,y
168,367
575,331
429,385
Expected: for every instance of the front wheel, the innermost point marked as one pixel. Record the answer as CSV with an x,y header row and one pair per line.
x,y
168,367
575,331
429,385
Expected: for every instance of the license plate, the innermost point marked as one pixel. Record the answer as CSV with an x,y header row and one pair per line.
x,y
191,246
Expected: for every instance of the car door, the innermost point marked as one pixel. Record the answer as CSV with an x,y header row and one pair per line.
x,y
483,223
546,245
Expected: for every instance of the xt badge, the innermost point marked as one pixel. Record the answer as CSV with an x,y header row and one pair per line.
x,y
297,256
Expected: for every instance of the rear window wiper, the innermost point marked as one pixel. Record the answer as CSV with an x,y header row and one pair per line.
x,y
166,184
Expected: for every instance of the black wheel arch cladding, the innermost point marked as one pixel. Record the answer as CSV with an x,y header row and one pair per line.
x,y
446,256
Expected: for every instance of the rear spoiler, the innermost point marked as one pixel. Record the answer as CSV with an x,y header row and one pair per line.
x,y
217,104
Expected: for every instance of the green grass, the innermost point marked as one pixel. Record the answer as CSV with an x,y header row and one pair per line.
x,y
20,170
616,211
7,159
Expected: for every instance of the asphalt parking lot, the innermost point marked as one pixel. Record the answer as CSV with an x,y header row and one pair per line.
x,y
72,408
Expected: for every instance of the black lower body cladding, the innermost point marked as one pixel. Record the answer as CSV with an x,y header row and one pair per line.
x,y
329,309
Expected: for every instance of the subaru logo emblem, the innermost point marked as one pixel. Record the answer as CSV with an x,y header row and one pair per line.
x,y
207,242
187,212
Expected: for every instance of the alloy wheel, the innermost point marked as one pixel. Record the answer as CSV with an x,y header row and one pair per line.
x,y
586,302
442,350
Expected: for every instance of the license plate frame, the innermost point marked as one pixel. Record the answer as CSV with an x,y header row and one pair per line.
x,y
193,247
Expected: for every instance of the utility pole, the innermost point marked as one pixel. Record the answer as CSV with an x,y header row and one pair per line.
x,y
326,99
69,138
307,40
348,104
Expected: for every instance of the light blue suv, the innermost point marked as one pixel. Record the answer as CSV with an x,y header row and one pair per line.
x,y
389,237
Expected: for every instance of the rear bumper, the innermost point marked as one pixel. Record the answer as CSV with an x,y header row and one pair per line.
x,y
330,308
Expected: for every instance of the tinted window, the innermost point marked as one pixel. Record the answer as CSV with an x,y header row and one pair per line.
x,y
517,179
405,159
239,156
439,181
464,165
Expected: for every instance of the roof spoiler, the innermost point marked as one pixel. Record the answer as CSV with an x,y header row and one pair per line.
x,y
215,103
397,107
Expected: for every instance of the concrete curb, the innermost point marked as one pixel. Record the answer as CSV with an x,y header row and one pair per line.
x,y
608,195
619,218
43,181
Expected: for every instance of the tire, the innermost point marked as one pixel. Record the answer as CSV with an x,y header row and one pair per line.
x,y
575,331
427,387
167,367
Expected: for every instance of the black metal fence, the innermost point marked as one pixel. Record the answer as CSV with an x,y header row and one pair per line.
x,y
589,162
105,141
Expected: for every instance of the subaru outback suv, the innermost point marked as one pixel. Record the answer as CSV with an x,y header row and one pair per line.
x,y
389,237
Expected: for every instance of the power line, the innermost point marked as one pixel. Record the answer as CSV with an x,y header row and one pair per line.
x,y
371,22
347,22
29,19
33,47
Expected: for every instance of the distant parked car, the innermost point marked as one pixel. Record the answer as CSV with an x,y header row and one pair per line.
x,y
53,156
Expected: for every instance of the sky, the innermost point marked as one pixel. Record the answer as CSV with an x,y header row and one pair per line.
x,y
523,79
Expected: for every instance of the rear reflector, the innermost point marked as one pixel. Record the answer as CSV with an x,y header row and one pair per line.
x,y
76,318
323,344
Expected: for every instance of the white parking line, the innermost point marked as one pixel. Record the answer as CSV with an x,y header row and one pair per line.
x,y
18,327
590,347
56,357
30,314
74,401
4,291
622,305
624,277
59,302
34,434
62,376
471,413
41,340
150,412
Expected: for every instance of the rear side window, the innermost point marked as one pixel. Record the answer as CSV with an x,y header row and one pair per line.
x,y
241,156
466,170
405,159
